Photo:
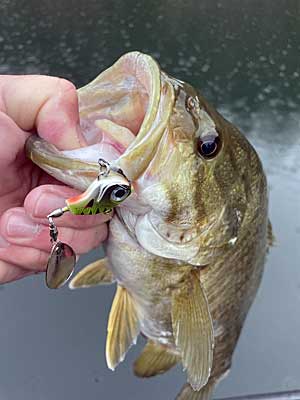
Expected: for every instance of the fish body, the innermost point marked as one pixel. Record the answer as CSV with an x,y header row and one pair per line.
x,y
187,248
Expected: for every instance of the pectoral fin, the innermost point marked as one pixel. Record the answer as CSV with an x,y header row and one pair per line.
x,y
155,359
123,327
193,331
94,274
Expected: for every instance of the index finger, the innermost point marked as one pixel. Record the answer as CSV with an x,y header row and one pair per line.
x,y
44,199
47,104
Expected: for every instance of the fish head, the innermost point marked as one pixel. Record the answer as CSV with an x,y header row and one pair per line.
x,y
191,171
203,179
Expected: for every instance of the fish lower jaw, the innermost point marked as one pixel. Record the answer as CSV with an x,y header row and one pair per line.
x,y
151,239
173,233
144,232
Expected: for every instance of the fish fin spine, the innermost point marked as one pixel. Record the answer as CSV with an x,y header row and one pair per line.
x,y
123,327
193,330
94,274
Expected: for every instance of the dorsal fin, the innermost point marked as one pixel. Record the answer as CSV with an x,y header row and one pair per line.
x,y
155,359
193,330
94,274
123,327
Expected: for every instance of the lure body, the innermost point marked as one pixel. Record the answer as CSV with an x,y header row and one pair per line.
x,y
105,193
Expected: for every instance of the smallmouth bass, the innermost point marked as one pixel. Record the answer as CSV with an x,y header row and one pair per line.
x,y
187,248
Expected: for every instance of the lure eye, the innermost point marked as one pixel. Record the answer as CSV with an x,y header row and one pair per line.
x,y
209,145
120,193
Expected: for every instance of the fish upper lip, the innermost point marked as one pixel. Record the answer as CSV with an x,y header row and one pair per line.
x,y
139,154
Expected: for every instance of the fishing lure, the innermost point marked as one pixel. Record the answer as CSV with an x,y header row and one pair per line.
x,y
110,189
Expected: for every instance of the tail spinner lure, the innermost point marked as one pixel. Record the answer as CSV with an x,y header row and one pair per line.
x,y
109,190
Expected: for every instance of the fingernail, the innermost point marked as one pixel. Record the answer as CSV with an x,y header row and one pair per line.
x,y
3,243
47,203
20,225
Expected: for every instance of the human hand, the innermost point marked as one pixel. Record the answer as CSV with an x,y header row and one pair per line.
x,y
48,106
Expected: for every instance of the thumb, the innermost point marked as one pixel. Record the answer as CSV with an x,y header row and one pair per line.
x,y
46,104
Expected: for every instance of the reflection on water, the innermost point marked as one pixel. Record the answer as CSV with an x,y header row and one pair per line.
x,y
245,58
275,137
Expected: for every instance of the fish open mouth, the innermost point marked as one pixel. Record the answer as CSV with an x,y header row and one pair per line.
x,y
114,106
121,119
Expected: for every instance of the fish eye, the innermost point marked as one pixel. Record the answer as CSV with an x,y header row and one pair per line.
x,y
120,193
209,145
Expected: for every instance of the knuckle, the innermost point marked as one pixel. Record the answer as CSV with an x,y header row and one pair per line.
x,y
101,234
84,240
66,86
96,236
87,221
69,235
95,239
80,221
40,259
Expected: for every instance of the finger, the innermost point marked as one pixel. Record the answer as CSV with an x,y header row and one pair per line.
x,y
18,228
11,272
42,200
27,258
47,103
14,139
14,180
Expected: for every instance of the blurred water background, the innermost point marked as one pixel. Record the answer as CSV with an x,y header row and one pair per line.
x,y
244,56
